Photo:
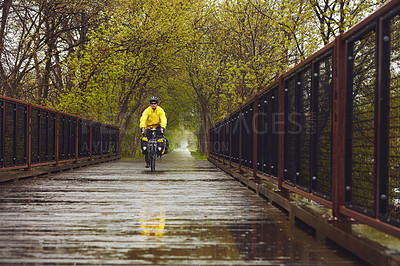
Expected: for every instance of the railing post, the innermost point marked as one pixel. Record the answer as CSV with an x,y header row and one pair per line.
x,y
29,137
109,141
90,140
39,133
230,139
3,133
223,141
101,140
281,131
57,139
48,134
77,138
255,135
209,141
339,126
382,180
240,138
15,134
218,139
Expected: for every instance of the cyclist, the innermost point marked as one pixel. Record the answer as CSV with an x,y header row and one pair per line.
x,y
153,116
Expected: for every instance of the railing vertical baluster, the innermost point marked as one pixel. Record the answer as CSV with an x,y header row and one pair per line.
x,y
281,130
255,133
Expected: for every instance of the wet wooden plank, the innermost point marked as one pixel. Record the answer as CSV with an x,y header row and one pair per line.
x,y
187,212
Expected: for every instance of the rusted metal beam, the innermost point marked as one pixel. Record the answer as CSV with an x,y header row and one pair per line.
x,y
339,126
384,227
310,196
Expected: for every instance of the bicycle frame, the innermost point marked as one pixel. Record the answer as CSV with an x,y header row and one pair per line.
x,y
152,151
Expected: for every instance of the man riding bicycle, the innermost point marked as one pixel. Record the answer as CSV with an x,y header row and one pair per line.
x,y
153,117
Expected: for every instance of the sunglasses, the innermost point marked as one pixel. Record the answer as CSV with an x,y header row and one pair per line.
x,y
153,103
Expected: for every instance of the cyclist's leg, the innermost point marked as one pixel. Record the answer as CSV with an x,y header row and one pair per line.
x,y
146,158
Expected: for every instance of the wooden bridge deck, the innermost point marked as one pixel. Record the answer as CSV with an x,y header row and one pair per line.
x,y
187,212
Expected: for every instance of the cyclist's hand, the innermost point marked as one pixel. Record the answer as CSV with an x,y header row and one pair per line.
x,y
162,130
143,129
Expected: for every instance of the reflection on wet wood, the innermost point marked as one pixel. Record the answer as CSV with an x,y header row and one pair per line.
x,y
187,212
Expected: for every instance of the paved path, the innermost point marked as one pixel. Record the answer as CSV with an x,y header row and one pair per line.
x,y
187,212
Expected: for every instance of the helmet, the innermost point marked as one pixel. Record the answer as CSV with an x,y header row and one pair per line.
x,y
153,99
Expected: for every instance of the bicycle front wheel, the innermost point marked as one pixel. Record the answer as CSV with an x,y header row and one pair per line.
x,y
153,163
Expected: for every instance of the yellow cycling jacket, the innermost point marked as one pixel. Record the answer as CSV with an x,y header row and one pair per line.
x,y
153,118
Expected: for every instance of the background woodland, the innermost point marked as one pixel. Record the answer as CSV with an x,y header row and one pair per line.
x,y
103,59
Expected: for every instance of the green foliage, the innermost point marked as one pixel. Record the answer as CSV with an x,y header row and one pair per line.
x,y
202,58
197,155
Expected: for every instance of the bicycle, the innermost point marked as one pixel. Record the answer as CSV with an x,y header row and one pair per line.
x,y
155,146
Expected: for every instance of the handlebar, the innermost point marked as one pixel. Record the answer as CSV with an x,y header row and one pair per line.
x,y
155,130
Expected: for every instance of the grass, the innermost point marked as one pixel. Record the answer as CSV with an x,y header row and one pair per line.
x,y
196,154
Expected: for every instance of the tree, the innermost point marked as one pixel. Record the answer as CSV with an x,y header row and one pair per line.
x,y
336,16
37,36
122,58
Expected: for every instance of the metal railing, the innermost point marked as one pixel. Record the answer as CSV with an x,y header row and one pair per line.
x,y
32,136
329,129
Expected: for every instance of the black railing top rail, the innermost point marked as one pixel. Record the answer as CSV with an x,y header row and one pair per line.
x,y
54,110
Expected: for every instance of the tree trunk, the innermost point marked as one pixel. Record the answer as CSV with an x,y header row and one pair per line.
x,y
3,78
204,128
45,84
